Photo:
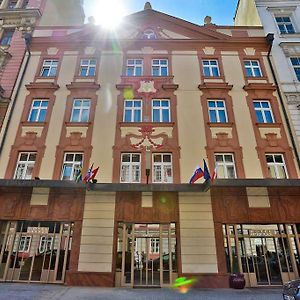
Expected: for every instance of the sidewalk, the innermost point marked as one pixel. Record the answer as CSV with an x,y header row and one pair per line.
x,y
17,291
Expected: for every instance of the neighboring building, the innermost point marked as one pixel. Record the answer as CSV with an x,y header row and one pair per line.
x,y
19,17
283,19
153,98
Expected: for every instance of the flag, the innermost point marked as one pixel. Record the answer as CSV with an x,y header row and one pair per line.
x,y
214,174
94,173
198,173
88,175
78,174
206,174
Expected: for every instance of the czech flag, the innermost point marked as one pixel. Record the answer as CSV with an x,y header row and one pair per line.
x,y
198,173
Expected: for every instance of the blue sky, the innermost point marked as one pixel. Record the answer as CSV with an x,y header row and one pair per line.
x,y
221,11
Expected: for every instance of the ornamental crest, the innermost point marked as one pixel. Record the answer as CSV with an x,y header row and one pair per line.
x,y
147,87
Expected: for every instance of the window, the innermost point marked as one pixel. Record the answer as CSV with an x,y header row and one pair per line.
x,y
12,4
210,68
25,3
226,165
72,163
87,67
7,37
296,65
134,67
130,167
24,243
154,245
25,165
252,68
80,110
276,166
285,24
149,34
45,244
38,111
160,67
263,112
132,111
217,111
49,68
162,168
161,111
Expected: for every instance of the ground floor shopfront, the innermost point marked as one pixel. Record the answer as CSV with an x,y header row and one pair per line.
x,y
149,235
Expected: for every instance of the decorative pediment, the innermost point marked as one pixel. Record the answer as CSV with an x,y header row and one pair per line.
x,y
150,25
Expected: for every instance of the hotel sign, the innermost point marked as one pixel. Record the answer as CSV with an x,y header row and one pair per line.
x,y
262,232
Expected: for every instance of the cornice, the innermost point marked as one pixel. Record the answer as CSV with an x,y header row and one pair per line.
x,y
83,85
215,86
42,85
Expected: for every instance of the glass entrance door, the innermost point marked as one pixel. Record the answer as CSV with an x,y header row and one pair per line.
x,y
266,261
146,262
146,254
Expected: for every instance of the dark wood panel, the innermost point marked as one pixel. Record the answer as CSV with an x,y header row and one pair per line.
x,y
63,205
129,208
90,279
222,266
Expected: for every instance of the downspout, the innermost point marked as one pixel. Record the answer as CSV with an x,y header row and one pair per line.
x,y
27,38
270,39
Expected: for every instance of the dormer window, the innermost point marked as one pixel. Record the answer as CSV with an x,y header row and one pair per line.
x,y
149,34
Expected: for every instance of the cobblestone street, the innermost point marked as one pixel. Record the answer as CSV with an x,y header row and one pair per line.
x,y
57,292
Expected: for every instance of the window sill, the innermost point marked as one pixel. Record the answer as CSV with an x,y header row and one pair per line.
x,y
212,124
77,124
289,35
33,124
84,77
268,125
45,78
142,124
256,78
147,77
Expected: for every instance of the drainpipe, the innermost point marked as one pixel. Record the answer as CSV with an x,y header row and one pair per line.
x,y
27,38
270,39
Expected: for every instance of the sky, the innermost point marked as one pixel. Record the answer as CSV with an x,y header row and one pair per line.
x,y
221,11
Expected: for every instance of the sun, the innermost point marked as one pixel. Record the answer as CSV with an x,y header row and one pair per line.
x,y
109,13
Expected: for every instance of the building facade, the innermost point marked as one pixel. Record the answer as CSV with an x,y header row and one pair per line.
x,y
147,103
18,19
282,19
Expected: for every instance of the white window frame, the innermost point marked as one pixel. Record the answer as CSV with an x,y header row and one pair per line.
x,y
276,165
217,109
132,109
88,66
160,66
135,65
295,66
39,109
263,110
211,67
161,109
164,178
24,246
49,64
74,164
45,244
154,245
224,164
26,165
81,108
252,68
131,167
285,23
